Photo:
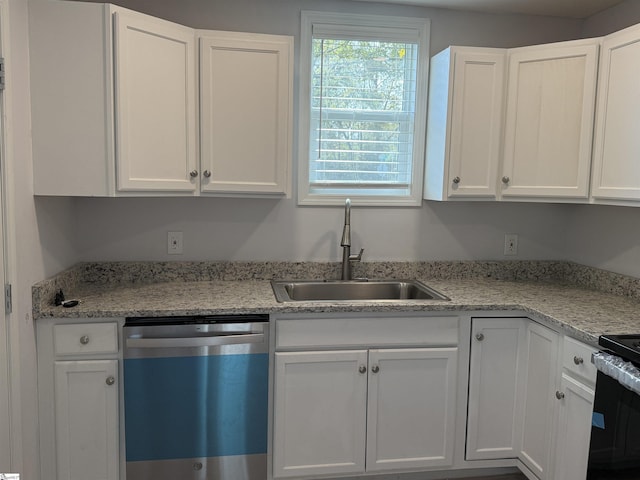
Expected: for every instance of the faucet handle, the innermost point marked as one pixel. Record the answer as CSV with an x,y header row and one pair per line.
x,y
356,258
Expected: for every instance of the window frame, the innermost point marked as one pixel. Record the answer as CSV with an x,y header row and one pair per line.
x,y
360,26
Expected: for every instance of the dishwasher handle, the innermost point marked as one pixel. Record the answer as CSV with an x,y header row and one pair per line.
x,y
187,342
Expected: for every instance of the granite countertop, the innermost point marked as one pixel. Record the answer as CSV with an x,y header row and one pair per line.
x,y
598,303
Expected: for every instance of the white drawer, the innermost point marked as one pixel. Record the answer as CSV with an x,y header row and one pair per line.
x,y
365,331
576,359
85,338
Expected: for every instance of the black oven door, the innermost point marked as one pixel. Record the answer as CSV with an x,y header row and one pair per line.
x,y
614,451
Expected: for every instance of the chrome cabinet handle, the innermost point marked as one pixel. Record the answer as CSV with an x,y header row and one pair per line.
x,y
479,336
375,369
84,340
456,180
206,173
193,173
362,369
505,179
110,380
578,360
559,395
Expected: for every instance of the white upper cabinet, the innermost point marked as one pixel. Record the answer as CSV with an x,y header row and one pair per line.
x,y
115,106
113,101
465,123
155,107
549,120
246,88
616,170
71,98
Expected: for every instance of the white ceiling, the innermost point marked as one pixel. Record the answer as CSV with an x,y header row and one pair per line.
x,y
556,8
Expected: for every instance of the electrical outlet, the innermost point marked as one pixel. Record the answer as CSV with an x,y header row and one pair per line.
x,y
510,244
174,243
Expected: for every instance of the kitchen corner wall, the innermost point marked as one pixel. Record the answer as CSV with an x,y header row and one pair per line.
x,y
616,18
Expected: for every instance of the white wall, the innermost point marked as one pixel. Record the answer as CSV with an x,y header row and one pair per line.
x,y
246,229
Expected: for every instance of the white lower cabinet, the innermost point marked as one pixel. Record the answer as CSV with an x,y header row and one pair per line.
x,y
574,429
530,398
358,394
320,412
86,404
576,394
411,408
333,409
496,373
79,397
539,399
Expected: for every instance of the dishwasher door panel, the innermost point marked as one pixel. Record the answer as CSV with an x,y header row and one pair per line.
x,y
196,401
184,407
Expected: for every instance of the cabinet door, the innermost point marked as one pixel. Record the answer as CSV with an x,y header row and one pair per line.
x,y
573,430
86,421
495,387
549,120
616,170
476,123
246,100
464,128
320,413
540,404
155,81
411,408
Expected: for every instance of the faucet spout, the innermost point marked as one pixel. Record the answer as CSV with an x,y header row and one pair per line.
x,y
346,230
345,243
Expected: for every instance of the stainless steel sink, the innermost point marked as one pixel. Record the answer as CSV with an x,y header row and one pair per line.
x,y
349,291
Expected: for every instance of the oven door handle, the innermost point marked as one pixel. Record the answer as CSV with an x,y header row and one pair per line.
x,y
186,342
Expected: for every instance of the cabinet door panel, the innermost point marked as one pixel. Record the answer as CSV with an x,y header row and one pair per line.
x,y
86,406
411,408
549,122
616,172
476,123
320,413
573,430
540,404
155,104
245,113
495,388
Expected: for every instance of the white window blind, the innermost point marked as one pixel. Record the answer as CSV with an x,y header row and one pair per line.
x,y
365,107
362,113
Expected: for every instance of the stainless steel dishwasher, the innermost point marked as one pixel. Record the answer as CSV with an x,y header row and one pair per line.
x,y
195,397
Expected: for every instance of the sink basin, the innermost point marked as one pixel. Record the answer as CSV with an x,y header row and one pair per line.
x,y
349,291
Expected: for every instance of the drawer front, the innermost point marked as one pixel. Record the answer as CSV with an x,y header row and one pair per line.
x,y
85,338
576,359
367,331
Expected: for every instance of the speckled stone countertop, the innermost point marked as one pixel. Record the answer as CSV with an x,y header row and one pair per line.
x,y
581,301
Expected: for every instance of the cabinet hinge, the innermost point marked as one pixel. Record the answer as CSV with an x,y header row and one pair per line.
x,y
8,302
2,73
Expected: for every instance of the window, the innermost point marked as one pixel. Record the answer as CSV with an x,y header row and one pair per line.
x,y
363,86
